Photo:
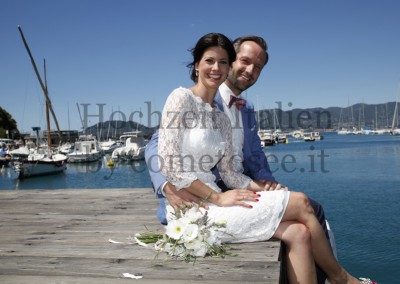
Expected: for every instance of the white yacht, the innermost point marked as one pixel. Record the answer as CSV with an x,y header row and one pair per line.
x,y
312,136
109,146
267,137
86,149
133,149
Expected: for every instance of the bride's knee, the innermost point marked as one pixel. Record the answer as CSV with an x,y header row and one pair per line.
x,y
298,234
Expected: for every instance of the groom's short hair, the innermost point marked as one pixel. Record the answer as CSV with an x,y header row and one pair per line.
x,y
258,40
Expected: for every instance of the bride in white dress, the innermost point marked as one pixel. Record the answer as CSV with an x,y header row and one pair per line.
x,y
195,136
206,141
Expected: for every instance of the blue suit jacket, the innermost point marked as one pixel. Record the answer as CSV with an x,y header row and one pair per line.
x,y
255,163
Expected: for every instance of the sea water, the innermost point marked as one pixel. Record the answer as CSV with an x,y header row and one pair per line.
x,y
355,178
357,181
94,175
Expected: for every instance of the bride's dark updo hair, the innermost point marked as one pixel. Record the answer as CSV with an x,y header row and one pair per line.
x,y
206,41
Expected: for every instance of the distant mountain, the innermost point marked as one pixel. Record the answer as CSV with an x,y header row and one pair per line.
x,y
115,128
332,118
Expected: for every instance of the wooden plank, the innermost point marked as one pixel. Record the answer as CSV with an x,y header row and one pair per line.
x,y
157,270
62,236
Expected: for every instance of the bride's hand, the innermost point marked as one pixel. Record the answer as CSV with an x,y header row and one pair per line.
x,y
237,197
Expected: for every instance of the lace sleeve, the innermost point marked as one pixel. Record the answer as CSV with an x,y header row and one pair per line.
x,y
226,166
176,116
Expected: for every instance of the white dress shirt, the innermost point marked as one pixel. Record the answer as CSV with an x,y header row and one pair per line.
x,y
235,117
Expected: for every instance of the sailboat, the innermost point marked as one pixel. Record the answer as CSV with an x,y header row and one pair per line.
x,y
41,161
266,136
395,123
280,137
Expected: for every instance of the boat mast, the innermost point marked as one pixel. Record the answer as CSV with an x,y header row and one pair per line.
x,y
44,88
395,116
80,117
47,112
109,125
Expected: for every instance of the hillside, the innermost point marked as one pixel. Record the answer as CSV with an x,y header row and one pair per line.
x,y
357,115
332,118
116,128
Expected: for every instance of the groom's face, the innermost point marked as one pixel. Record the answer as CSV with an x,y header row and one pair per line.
x,y
247,68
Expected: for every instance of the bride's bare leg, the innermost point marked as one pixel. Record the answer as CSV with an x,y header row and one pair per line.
x,y
301,266
299,209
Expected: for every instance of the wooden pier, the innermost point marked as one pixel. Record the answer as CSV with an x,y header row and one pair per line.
x,y
63,236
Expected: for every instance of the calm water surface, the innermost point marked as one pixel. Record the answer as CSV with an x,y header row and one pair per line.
x,y
355,178
94,175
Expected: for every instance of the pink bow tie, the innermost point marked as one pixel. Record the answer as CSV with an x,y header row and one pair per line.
x,y
239,102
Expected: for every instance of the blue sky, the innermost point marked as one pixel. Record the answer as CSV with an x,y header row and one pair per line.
x,y
124,53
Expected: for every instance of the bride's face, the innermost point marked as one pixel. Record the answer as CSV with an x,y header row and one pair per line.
x,y
213,67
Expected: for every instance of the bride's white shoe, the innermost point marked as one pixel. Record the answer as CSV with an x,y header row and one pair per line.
x,y
363,281
367,281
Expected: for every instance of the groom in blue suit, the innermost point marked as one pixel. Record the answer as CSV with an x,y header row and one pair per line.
x,y
251,57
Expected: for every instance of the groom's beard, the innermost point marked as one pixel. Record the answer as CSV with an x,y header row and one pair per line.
x,y
238,83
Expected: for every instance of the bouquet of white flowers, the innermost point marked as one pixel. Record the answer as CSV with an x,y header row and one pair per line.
x,y
189,236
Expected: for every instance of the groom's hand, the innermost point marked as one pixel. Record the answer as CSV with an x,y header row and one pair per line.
x,y
273,185
179,199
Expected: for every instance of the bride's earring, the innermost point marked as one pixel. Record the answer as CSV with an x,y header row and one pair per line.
x,y
197,73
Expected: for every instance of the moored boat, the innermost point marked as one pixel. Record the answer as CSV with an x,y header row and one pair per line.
x,y
86,149
297,134
41,162
66,148
109,146
37,161
133,149
267,137
280,137
312,136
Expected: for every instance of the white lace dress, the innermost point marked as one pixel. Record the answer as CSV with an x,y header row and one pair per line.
x,y
193,138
